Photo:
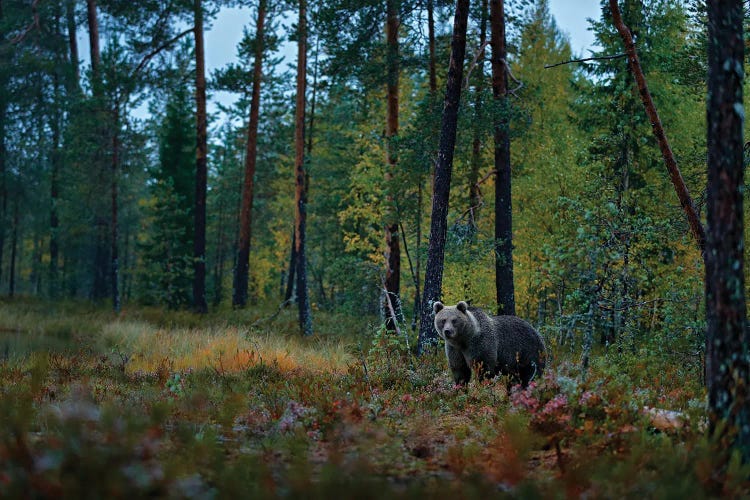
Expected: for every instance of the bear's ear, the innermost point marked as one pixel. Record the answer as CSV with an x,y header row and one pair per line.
x,y
462,306
437,307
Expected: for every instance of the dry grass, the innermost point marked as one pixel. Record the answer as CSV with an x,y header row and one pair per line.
x,y
225,348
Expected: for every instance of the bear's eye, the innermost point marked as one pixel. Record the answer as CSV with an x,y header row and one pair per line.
x,y
441,323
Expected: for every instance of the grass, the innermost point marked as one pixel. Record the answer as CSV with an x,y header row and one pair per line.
x,y
172,405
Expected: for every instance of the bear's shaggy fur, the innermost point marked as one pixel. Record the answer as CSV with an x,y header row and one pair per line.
x,y
487,344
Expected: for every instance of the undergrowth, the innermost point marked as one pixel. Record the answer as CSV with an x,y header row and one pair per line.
x,y
179,406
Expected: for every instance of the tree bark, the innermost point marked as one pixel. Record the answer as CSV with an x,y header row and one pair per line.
x,y
115,224
303,301
13,250
55,165
96,56
666,151
727,359
443,166
239,298
506,302
101,272
476,145
201,170
392,241
70,17
431,44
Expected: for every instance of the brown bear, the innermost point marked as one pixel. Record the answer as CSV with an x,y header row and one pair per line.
x,y
487,344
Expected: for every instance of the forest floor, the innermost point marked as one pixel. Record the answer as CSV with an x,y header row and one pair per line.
x,y
155,403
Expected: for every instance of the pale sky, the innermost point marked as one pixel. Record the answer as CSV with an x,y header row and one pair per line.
x,y
225,33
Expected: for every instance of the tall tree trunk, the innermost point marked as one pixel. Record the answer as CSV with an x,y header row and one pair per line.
x,y
291,280
727,359
201,169
392,241
506,302
300,198
666,151
101,273
443,166
476,145
3,178
431,44
70,17
114,221
54,222
96,55
239,298
13,250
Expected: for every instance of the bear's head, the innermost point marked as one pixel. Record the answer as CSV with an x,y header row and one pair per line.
x,y
454,324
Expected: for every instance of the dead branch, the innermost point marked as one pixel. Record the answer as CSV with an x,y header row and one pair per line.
x,y
159,49
674,172
473,64
586,59
519,83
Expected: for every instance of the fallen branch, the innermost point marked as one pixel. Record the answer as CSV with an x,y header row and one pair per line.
x,y
586,59
273,316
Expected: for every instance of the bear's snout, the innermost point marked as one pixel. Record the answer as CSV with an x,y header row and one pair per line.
x,y
449,332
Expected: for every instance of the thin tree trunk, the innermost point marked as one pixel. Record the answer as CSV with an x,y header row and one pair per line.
x,y
201,170
96,56
303,302
727,359
392,241
476,145
70,17
666,151
3,179
431,43
288,291
443,167
99,288
291,280
114,255
239,298
54,223
13,250
506,302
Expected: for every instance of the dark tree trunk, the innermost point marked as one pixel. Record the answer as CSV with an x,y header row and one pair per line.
x,y
115,225
506,302
392,238
241,270
476,145
3,180
96,56
727,360
54,222
300,175
666,151
201,170
13,250
70,17
101,260
289,293
431,43
443,166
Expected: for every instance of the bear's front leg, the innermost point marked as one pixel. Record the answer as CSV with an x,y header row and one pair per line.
x,y
458,365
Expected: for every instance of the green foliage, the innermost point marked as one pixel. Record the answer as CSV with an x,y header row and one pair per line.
x,y
167,246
